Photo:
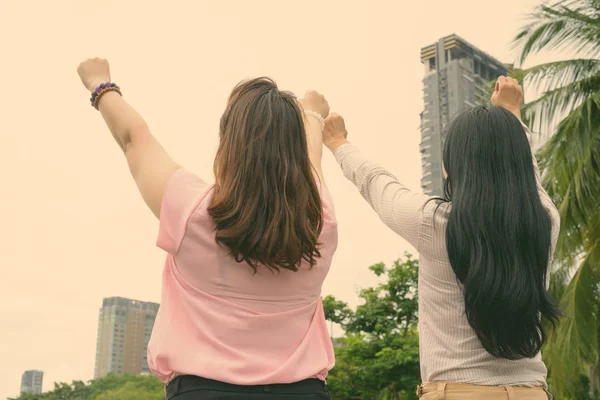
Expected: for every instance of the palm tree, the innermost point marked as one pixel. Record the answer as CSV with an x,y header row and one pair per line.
x,y
569,111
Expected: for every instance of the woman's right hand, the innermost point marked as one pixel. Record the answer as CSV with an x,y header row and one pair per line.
x,y
315,101
509,95
334,132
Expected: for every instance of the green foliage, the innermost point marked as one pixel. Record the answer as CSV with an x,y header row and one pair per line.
x,y
569,110
111,387
572,337
379,356
562,25
336,311
133,391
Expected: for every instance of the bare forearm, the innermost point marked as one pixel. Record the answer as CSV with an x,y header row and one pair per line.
x,y
314,137
122,120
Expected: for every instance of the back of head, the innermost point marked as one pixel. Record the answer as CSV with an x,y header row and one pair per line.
x,y
266,203
498,234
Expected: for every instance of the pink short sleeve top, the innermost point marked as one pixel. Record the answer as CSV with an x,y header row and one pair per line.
x,y
219,320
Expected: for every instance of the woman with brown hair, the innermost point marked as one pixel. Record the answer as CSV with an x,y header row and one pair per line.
x,y
241,314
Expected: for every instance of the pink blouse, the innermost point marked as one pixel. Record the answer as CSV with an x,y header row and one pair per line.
x,y
219,321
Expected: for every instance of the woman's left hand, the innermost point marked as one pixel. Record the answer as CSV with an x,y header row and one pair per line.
x,y
334,133
509,95
93,72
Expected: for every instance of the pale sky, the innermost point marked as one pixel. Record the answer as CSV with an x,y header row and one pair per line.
x,y
74,228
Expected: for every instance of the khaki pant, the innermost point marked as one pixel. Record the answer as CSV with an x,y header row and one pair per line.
x,y
460,391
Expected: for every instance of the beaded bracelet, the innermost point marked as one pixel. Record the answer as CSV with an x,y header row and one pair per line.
x,y
310,113
101,90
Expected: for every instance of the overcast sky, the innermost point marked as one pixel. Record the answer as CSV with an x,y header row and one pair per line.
x,y
74,228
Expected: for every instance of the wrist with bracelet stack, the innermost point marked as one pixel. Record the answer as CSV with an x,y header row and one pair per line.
x,y
101,90
319,117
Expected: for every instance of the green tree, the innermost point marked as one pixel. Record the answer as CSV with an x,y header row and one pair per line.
x,y
62,391
336,311
379,356
569,110
134,391
121,387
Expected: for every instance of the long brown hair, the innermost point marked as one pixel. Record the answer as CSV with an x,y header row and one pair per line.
x,y
266,203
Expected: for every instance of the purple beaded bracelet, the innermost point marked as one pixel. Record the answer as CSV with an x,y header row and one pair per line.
x,y
101,90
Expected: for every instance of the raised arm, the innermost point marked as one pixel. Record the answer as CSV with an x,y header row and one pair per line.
x,y
316,109
536,169
150,165
509,94
398,207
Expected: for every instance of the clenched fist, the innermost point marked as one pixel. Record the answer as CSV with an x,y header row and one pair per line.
x,y
93,72
509,95
334,133
315,101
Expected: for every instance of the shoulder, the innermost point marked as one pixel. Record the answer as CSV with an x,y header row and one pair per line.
x,y
185,191
554,218
183,195
432,230
434,209
203,203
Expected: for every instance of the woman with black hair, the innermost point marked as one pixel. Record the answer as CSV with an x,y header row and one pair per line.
x,y
485,250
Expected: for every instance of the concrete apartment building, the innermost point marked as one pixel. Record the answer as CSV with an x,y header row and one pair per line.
x,y
32,381
124,329
456,78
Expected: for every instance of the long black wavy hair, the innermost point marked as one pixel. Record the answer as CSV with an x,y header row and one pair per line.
x,y
498,234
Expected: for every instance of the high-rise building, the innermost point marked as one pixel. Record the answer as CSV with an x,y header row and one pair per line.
x,y
31,382
457,75
124,329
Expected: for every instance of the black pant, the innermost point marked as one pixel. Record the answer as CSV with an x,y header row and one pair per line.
x,y
188,387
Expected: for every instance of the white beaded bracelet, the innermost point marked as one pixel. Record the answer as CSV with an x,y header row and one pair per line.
x,y
310,113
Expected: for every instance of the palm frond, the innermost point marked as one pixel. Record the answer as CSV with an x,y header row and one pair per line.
x,y
543,112
569,111
570,161
561,73
560,25
561,274
592,244
574,344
